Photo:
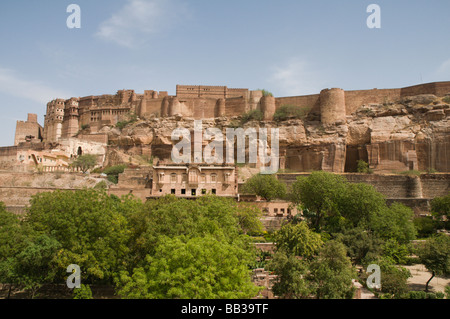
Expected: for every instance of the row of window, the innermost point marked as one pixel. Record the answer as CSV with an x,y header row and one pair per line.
x,y
194,177
281,211
193,192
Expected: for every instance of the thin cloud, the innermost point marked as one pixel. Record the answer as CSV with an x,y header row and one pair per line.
x,y
444,68
296,77
138,19
12,84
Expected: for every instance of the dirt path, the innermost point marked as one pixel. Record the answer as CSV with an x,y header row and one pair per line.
x,y
420,276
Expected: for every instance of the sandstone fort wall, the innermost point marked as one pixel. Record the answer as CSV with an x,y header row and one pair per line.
x,y
395,186
200,102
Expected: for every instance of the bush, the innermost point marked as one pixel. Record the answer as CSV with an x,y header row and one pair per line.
x,y
423,295
290,111
132,118
363,167
113,172
397,252
266,93
446,99
412,172
425,226
101,185
82,293
255,115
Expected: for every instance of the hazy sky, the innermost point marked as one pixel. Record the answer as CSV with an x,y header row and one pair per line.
x,y
287,47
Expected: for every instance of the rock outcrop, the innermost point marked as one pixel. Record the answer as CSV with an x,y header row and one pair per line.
x,y
411,133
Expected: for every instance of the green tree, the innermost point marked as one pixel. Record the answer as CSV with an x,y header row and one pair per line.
x,y
10,233
90,227
14,239
394,222
248,218
359,202
435,255
298,240
85,162
361,244
397,252
440,208
394,278
32,267
169,216
331,273
321,193
199,268
291,282
170,233
425,226
266,186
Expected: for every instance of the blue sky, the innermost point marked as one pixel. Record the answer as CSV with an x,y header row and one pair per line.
x,y
289,47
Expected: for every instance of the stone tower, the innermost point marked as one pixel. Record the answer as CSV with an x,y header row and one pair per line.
x,y
332,106
174,107
70,126
268,107
165,107
53,120
220,108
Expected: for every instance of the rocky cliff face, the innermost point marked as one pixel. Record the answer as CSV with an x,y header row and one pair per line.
x,y
411,133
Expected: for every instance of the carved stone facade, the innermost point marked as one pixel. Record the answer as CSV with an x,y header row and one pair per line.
x,y
191,181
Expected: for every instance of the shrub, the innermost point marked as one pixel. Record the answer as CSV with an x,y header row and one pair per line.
x,y
423,295
363,167
266,93
84,292
412,172
113,172
290,111
101,185
132,118
255,115
425,226
446,99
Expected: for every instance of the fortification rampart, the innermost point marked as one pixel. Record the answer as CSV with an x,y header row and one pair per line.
x,y
65,118
330,102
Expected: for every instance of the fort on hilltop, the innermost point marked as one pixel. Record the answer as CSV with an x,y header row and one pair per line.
x,y
393,130
341,127
65,118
